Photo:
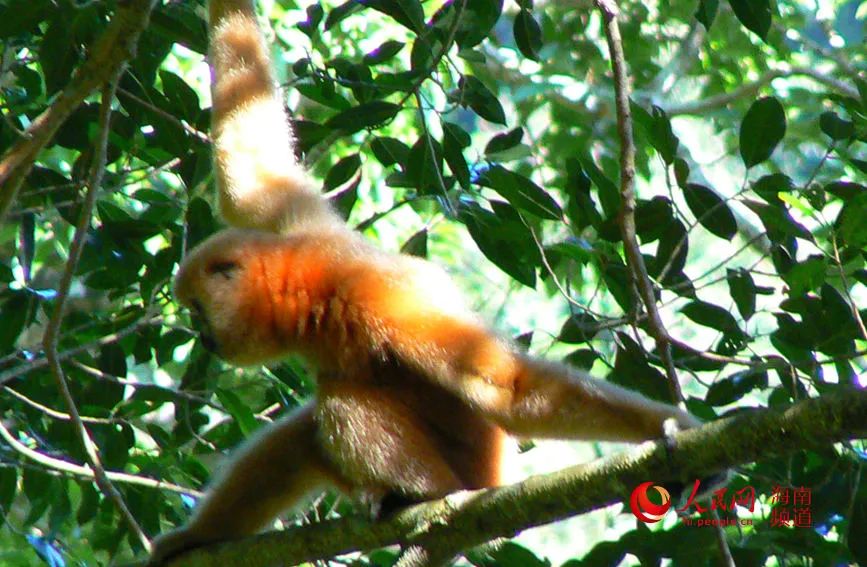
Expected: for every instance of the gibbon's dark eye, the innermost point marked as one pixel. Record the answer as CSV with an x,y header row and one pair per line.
x,y
196,307
224,268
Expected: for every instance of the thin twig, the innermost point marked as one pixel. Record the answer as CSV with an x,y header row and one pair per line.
x,y
749,89
38,363
52,331
53,413
87,472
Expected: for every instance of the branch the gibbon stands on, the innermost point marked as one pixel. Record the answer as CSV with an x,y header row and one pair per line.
x,y
467,519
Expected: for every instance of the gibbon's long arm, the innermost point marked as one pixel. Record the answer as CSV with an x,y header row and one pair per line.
x,y
261,184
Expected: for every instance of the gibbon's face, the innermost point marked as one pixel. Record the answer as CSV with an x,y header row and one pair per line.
x,y
217,283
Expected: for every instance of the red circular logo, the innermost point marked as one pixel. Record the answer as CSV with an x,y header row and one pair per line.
x,y
643,508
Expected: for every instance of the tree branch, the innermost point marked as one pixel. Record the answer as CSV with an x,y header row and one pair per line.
x,y
466,519
86,472
750,89
52,331
634,259
114,47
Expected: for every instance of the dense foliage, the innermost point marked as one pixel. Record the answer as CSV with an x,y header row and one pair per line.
x,y
457,131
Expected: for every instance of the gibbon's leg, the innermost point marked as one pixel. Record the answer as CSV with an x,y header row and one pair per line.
x,y
268,474
376,438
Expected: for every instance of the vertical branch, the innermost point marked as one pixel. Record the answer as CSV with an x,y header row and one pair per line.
x,y
634,260
52,331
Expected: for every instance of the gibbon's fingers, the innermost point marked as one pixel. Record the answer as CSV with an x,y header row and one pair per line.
x,y
268,474
261,183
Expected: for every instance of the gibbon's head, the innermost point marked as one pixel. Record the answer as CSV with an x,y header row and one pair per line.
x,y
219,281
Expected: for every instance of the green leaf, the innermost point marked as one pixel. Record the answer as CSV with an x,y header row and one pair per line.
x,y
424,165
58,54
242,414
632,370
778,222
416,245
851,224
755,15
528,35
477,19
341,172
652,218
732,388
383,53
681,172
112,360
24,17
768,187
454,140
835,127
503,142
662,137
503,239
579,328
671,253
408,13
710,315
342,12
609,194
389,151
477,96
806,276
314,18
183,100
761,130
706,12
710,210
14,314
521,192
368,115
742,288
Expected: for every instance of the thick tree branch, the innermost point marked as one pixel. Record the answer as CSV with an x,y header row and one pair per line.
x,y
114,47
466,519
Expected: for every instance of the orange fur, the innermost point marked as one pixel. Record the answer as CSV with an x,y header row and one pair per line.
x,y
415,394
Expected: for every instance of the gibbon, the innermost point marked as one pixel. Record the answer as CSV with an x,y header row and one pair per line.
x,y
414,394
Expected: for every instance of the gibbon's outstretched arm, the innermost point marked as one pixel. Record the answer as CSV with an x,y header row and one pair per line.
x,y
260,182
415,395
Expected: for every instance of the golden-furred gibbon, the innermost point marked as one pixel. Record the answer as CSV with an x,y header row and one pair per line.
x,y
414,394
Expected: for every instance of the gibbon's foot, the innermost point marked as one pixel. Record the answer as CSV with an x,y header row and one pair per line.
x,y
394,502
